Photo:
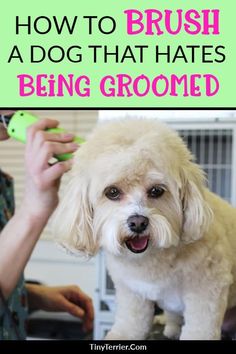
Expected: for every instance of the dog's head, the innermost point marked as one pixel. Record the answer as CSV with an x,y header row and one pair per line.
x,y
133,187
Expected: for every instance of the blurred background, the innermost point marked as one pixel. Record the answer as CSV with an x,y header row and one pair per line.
x,y
210,135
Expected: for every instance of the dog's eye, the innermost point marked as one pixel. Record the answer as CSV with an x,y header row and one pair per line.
x,y
113,193
155,192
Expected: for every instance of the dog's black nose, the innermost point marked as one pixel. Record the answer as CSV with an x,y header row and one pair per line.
x,y
137,223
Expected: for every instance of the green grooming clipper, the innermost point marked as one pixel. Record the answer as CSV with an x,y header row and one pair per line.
x,y
19,123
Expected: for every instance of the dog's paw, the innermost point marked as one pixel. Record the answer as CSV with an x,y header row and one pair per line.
x,y
159,320
112,335
172,331
199,334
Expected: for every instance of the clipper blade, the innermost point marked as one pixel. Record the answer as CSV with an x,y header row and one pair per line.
x,y
5,119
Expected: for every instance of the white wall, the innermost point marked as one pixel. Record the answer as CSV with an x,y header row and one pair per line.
x,y
169,115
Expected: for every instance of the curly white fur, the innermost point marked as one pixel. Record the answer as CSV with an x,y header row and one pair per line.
x,y
189,266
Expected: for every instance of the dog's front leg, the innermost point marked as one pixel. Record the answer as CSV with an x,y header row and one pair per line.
x,y
204,313
134,316
173,325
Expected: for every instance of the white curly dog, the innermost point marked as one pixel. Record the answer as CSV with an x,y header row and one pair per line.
x,y
136,192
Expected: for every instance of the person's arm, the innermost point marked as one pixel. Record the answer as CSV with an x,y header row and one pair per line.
x,y
20,235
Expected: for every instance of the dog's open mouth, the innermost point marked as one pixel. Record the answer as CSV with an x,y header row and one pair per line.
x,y
138,244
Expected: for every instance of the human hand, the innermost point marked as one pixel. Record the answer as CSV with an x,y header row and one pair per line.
x,y
69,299
42,179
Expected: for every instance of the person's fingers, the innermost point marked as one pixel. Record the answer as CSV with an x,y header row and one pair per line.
x,y
3,132
40,125
55,171
88,324
51,174
89,315
5,112
42,136
76,311
52,149
86,303
71,308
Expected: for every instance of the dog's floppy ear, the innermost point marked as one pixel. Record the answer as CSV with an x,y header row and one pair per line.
x,y
73,219
197,214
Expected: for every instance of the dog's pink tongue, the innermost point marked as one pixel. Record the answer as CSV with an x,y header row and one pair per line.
x,y
138,243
